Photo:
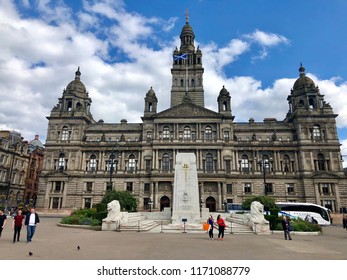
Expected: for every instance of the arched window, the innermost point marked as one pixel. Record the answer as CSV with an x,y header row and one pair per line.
x,y
316,132
92,163
209,162
111,163
187,133
166,162
182,83
69,105
208,133
65,133
225,106
193,83
131,164
61,161
166,133
266,163
320,162
286,164
244,163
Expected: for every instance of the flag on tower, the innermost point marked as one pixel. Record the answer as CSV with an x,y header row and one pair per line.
x,y
182,56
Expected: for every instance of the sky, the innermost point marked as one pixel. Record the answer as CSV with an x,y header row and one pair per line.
x,y
124,47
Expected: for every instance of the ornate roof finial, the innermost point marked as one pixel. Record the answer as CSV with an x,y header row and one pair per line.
x,y
78,73
301,70
187,16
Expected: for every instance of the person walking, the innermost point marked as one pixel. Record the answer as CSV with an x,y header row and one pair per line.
x,y
221,226
3,221
286,228
31,221
344,221
210,221
17,225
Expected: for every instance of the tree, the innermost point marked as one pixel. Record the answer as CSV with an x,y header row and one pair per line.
x,y
126,200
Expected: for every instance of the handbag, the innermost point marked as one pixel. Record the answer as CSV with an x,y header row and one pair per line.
x,y
290,228
206,226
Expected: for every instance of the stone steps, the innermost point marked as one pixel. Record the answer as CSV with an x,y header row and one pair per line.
x,y
140,225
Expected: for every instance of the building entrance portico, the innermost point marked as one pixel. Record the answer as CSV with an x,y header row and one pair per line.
x,y
211,204
164,202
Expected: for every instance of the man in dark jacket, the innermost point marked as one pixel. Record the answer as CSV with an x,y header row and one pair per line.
x,y
344,221
31,221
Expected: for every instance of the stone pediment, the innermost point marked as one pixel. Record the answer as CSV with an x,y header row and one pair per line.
x,y
187,110
325,174
57,173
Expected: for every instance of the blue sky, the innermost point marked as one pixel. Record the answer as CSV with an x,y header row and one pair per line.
x,y
123,48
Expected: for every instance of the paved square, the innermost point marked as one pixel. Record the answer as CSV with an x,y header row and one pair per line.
x,y
52,242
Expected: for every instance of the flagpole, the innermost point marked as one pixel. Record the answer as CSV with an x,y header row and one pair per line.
x,y
187,74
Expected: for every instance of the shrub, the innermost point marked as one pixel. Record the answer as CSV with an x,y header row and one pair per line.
x,y
101,207
70,220
100,215
82,217
299,225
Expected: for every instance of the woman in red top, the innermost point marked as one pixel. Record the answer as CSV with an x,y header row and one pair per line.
x,y
221,226
17,225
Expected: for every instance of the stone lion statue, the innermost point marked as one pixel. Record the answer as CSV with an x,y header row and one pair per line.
x,y
114,214
114,217
257,213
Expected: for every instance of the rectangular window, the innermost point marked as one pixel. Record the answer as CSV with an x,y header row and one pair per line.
x,y
247,188
88,203
325,188
130,186
148,165
227,166
268,188
226,136
290,188
58,187
229,188
89,187
146,187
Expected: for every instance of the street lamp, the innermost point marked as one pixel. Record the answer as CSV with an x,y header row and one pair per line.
x,y
264,165
112,161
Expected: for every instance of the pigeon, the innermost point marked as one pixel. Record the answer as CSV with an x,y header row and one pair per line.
x,y
78,247
30,254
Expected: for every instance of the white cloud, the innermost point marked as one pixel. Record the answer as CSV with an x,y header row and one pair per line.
x,y
266,39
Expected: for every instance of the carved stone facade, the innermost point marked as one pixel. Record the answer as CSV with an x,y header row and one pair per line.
x,y
297,159
20,167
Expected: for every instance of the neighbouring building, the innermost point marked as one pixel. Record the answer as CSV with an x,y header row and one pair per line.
x,y
14,159
35,165
295,159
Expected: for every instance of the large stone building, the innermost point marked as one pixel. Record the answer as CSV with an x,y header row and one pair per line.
x,y
297,159
20,166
